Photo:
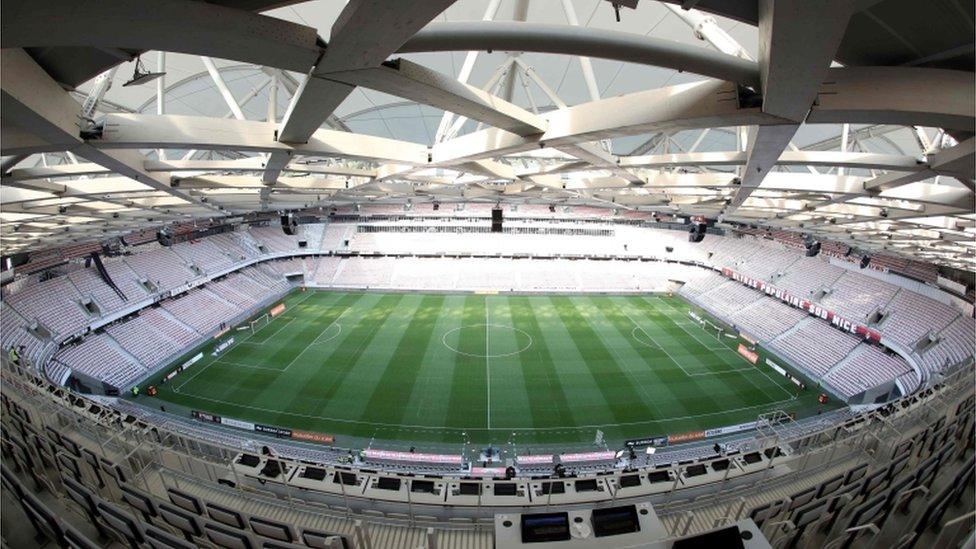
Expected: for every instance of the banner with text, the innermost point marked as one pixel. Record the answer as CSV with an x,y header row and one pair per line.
x,y
805,304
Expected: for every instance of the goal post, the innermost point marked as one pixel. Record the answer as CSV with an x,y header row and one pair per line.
x,y
714,330
710,327
259,322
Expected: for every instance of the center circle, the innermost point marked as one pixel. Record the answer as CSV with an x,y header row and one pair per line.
x,y
487,340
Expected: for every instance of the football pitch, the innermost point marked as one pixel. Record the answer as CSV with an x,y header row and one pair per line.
x,y
482,369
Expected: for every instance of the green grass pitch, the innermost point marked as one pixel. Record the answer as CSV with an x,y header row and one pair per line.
x,y
448,368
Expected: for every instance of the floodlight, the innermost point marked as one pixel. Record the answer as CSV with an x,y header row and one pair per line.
x,y
141,76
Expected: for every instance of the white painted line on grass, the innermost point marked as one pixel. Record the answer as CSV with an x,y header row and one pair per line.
x,y
442,428
309,346
488,363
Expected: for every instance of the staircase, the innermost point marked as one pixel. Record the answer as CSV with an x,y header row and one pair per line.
x,y
842,362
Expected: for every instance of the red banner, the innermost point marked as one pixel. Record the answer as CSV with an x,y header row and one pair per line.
x,y
748,354
312,437
686,437
806,305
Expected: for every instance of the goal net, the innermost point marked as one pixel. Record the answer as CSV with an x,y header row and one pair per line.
x,y
710,328
259,322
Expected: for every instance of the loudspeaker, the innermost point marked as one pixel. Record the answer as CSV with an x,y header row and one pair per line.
x,y
16,260
437,206
164,238
696,233
864,261
289,224
812,246
496,220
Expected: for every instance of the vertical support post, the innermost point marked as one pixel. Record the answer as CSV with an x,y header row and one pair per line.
x,y
845,130
161,92
273,98
362,535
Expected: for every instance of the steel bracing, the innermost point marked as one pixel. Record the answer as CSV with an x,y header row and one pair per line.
x,y
79,167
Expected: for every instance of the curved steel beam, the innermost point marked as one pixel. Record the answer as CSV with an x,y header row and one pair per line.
x,y
183,26
583,41
852,160
133,131
908,96
904,96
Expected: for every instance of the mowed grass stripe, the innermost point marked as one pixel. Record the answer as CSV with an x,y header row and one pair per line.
x,y
666,386
711,374
547,399
244,388
344,359
285,336
281,394
301,394
749,383
428,402
352,396
626,404
468,386
588,403
232,382
388,374
511,397
387,403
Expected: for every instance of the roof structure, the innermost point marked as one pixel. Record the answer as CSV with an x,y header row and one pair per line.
x,y
849,121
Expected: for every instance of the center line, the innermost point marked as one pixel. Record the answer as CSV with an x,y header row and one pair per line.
x,y
487,361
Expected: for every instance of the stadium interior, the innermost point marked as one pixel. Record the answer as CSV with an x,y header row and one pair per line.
x,y
488,274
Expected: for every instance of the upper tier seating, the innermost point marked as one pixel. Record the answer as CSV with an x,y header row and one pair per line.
x,y
237,244
914,316
766,318
336,235
201,310
768,260
274,239
855,296
161,266
205,254
125,278
91,286
312,234
807,275
814,346
54,303
728,251
956,344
